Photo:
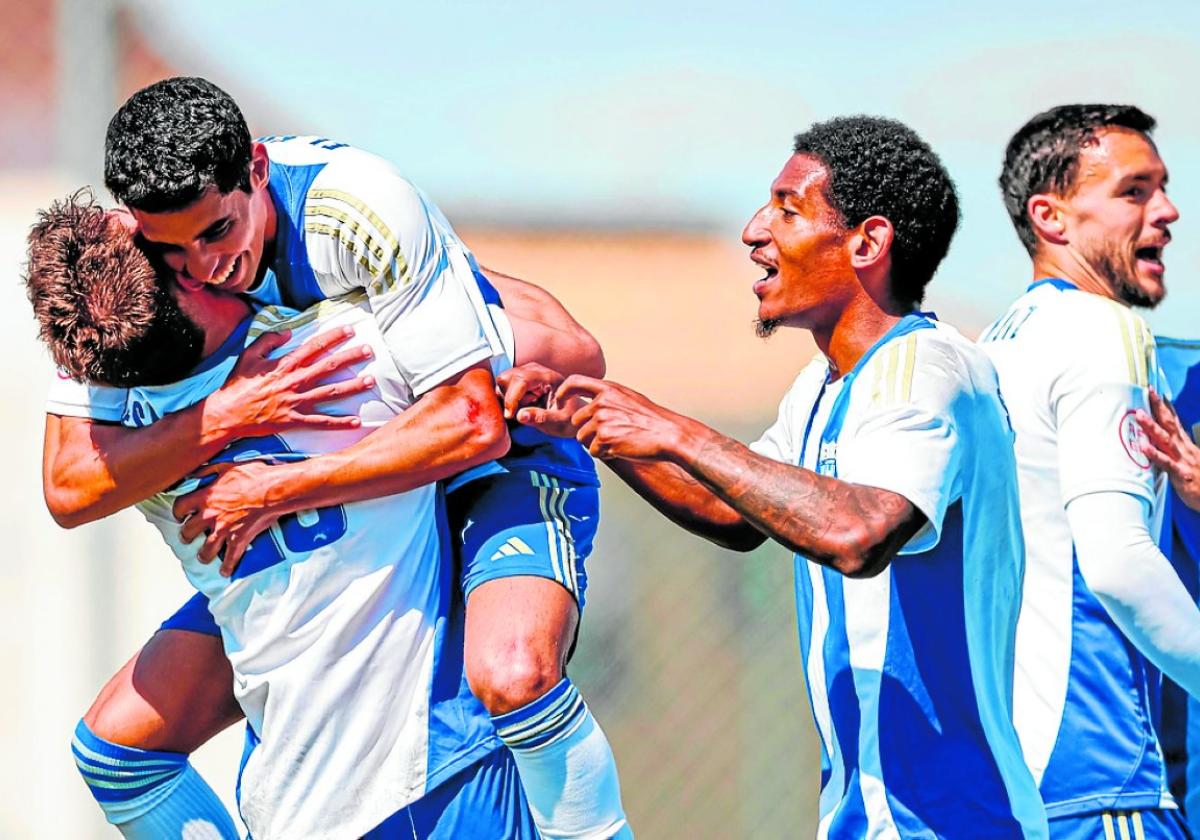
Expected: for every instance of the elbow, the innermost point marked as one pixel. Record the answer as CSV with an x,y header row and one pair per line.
x,y
64,506
857,553
489,438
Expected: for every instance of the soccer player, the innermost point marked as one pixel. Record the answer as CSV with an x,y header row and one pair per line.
x,y
889,472
1086,190
296,219
342,624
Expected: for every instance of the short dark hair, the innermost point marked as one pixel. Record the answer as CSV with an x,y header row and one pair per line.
x,y
881,167
105,312
171,141
1043,156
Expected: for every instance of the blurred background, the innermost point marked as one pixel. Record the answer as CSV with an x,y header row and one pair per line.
x,y
611,156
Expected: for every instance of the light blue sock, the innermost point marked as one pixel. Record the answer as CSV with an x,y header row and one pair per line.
x,y
566,767
150,795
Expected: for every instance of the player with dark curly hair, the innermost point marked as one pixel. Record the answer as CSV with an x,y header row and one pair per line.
x,y
889,472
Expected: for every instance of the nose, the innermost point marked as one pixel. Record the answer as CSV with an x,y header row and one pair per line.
x,y
198,264
1165,212
755,231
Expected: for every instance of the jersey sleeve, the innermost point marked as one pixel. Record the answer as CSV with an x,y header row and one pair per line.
x,y
907,440
70,398
377,233
1108,363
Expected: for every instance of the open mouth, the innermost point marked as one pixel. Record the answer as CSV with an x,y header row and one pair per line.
x,y
229,272
1150,256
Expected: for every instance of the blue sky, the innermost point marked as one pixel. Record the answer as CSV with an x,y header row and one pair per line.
x,y
679,114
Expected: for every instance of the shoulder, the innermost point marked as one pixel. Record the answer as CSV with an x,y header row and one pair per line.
x,y
928,364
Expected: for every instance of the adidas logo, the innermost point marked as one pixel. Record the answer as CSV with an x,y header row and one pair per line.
x,y
514,545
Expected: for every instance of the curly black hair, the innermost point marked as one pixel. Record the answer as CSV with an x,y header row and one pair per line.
x,y
1043,156
104,310
171,141
881,167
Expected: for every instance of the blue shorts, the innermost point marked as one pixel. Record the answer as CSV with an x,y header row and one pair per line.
x,y
483,800
1148,824
524,523
507,524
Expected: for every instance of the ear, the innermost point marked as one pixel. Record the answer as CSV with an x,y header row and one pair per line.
x,y
871,243
1046,216
260,166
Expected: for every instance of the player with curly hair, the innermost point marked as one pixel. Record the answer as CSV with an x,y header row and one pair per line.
x,y
889,473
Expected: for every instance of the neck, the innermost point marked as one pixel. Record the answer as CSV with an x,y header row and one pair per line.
x,y
858,326
221,316
1065,264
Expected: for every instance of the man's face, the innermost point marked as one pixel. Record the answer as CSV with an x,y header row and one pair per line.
x,y
219,238
800,242
1116,218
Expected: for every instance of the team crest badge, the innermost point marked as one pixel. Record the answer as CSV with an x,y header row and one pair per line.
x,y
1132,438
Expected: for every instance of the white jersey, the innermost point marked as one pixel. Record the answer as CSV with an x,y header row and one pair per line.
x,y
334,620
348,221
910,671
1073,367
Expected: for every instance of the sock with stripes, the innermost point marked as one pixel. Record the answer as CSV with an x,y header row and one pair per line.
x,y
566,766
150,795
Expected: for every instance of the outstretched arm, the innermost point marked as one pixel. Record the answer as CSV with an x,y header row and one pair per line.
x,y
719,488
91,470
454,426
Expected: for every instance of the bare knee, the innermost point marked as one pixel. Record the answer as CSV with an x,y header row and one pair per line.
x,y
507,677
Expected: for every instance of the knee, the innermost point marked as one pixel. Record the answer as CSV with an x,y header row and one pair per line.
x,y
508,678
118,718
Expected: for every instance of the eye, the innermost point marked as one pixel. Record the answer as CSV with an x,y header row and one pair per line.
x,y
218,232
1135,192
788,214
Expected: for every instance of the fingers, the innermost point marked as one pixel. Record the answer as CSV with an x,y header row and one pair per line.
x,y
337,390
515,388
234,549
268,342
321,368
1159,438
324,421
579,386
1164,413
316,346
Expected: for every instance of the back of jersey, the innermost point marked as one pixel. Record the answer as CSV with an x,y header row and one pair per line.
x,y
1072,368
335,622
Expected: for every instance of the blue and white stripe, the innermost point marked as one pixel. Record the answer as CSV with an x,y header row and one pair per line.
x,y
552,500
551,718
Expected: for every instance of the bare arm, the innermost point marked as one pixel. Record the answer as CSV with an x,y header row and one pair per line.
x,y
454,426
545,331
701,479
91,470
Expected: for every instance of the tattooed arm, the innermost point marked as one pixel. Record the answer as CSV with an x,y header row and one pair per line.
x,y
720,489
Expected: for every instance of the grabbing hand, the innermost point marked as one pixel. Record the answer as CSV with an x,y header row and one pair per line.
x,y
528,384
1170,447
232,510
263,396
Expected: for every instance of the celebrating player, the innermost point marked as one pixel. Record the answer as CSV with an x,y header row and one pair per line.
x,y
343,624
296,219
1086,191
889,472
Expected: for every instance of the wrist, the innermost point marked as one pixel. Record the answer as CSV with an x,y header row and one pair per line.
x,y
691,439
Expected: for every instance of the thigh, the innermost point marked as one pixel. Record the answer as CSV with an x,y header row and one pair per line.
x,y
173,695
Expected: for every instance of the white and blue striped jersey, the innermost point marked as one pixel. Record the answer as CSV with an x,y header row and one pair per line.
x,y
347,220
1073,366
343,625
910,671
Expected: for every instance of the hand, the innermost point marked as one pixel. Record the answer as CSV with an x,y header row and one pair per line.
x,y
1171,448
232,510
618,422
263,396
528,384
